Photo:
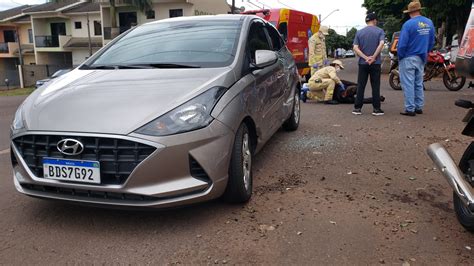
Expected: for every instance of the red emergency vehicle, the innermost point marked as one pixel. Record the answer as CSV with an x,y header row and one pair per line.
x,y
465,56
296,27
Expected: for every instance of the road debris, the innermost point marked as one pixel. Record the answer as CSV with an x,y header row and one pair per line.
x,y
264,227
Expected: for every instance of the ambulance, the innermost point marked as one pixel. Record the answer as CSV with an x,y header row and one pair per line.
x,y
464,59
296,27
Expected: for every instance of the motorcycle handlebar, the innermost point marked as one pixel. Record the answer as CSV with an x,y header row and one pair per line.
x,y
464,104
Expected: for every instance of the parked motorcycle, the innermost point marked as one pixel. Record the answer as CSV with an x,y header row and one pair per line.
x,y
460,178
438,63
394,77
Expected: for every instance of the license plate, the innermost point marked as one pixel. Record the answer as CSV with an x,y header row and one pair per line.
x,y
72,170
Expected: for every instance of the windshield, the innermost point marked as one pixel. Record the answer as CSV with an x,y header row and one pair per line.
x,y
195,43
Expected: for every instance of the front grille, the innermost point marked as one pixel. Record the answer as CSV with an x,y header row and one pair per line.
x,y
117,157
88,193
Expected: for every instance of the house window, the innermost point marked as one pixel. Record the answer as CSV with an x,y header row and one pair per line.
x,y
97,28
78,25
150,14
30,35
176,13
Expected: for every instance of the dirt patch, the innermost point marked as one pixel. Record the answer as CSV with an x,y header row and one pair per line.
x,y
314,143
285,183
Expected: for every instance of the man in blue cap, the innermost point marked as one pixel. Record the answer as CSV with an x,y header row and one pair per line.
x,y
368,44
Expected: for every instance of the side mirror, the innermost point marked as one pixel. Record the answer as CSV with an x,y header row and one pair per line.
x,y
264,58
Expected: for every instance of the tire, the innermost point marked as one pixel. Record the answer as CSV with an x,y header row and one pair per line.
x,y
465,216
239,184
292,123
394,81
454,84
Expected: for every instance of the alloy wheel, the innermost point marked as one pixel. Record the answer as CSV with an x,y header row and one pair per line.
x,y
246,160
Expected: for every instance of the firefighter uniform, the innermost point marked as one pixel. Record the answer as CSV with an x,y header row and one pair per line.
x,y
322,83
317,49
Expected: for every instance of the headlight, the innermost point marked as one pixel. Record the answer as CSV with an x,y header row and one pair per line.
x,y
18,120
192,115
17,123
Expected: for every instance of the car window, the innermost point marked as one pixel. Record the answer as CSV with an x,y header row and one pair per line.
x,y
283,29
201,43
277,42
257,39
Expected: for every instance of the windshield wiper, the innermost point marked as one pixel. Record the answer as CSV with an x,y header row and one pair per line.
x,y
139,66
167,65
116,66
98,67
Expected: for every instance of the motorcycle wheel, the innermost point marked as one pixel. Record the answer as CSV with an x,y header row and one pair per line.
x,y
394,81
465,216
454,84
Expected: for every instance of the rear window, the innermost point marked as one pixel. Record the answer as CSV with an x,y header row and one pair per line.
x,y
202,43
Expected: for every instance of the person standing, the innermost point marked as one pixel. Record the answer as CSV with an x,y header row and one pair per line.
x,y
368,44
317,49
417,38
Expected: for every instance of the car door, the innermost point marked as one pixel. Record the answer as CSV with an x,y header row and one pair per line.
x,y
266,81
284,94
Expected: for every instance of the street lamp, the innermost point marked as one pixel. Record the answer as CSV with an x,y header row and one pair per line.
x,y
7,82
321,20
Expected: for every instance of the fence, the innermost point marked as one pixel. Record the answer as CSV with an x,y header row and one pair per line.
x,y
32,73
11,75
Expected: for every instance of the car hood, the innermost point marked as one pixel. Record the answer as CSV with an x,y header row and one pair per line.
x,y
115,101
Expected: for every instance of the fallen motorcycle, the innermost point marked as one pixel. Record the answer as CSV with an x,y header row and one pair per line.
x,y
438,63
460,178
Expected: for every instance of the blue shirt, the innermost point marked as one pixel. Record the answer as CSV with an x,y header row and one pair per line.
x,y
417,38
368,39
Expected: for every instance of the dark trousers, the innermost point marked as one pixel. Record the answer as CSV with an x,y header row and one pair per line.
x,y
374,72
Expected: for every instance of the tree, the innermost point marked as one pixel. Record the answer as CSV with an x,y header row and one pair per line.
x,y
334,41
452,13
350,36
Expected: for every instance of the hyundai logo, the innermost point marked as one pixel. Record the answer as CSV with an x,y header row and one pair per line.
x,y
70,147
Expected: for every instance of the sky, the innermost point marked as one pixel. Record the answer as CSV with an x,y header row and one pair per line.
x,y
350,14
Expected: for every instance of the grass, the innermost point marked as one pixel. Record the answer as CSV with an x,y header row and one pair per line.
x,y
17,92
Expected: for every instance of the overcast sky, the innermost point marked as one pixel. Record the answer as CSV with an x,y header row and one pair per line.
x,y
350,14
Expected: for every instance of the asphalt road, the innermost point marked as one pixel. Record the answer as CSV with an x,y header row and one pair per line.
x,y
340,190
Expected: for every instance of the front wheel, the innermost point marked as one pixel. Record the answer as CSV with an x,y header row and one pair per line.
x,y
239,185
394,81
464,215
292,123
456,82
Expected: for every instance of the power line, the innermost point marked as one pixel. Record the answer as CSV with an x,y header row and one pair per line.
x,y
280,2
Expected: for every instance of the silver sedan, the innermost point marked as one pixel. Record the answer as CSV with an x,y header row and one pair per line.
x,y
169,113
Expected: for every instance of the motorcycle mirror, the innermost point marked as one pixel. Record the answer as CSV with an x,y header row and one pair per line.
x,y
464,104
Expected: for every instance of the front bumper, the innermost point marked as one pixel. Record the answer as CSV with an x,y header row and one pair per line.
x,y
444,162
163,180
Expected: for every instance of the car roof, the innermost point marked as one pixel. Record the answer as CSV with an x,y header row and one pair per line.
x,y
229,17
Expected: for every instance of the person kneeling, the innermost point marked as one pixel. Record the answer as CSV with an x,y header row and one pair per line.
x,y
322,83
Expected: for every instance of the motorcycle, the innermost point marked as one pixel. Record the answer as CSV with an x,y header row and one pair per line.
x,y
461,177
438,63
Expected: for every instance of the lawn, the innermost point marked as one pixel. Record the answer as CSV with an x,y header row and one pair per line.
x,y
17,92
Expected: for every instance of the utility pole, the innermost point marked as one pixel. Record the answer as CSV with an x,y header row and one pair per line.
x,y
17,38
89,35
